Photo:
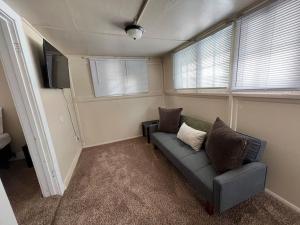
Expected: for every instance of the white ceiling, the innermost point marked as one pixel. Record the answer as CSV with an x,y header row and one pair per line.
x,y
94,27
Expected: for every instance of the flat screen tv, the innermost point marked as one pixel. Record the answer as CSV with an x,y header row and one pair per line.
x,y
56,68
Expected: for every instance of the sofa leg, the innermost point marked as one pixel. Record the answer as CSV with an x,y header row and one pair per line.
x,y
209,208
155,147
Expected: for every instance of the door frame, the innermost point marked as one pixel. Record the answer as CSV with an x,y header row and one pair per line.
x,y
22,79
7,215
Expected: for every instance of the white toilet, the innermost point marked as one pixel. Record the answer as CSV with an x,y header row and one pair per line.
x,y
5,139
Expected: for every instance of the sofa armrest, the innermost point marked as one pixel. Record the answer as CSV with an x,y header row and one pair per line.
x,y
236,186
151,129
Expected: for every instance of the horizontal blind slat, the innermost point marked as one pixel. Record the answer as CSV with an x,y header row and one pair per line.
x,y
269,48
205,64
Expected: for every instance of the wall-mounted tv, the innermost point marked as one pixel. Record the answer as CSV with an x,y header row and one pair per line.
x,y
56,68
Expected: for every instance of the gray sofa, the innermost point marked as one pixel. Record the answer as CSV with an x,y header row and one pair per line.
x,y
220,191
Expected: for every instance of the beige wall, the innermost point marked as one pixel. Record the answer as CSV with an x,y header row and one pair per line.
x,y
200,107
56,103
109,119
275,120
278,123
11,121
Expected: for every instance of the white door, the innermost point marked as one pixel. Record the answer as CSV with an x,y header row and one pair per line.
x,y
7,216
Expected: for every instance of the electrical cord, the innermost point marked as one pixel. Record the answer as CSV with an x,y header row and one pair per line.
x,y
73,126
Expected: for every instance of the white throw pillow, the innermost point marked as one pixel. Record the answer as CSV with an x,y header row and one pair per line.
x,y
191,136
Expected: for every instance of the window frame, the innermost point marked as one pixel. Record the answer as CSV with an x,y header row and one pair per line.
x,y
202,37
123,61
231,89
254,91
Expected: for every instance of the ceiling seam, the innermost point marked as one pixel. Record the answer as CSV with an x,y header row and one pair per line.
x,y
71,15
105,34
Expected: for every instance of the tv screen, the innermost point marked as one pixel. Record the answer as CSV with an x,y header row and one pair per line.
x,y
56,68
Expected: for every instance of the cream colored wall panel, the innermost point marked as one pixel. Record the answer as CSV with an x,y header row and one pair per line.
x,y
55,103
110,119
168,79
200,107
10,117
104,16
52,13
122,45
80,75
181,20
155,75
62,132
279,124
106,121
82,81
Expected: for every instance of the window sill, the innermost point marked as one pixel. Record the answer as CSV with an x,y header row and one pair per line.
x,y
199,93
111,98
292,95
270,95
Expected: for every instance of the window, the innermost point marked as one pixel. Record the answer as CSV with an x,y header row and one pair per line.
x,y
205,64
185,63
115,77
269,48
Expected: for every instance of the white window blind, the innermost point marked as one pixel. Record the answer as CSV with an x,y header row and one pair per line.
x,y
115,77
184,64
136,76
269,48
205,64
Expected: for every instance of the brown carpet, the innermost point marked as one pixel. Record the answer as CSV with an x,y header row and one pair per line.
x,y
24,193
131,183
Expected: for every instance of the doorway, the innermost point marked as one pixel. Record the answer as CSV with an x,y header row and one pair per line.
x,y
19,71
16,168
20,74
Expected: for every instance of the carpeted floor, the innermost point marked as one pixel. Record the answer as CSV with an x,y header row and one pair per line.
x,y
129,182
23,190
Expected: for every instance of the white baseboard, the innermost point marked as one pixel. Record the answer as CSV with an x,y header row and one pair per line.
x,y
284,201
110,142
71,169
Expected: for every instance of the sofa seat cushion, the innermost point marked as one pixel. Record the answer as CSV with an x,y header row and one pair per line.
x,y
195,161
172,144
205,176
195,166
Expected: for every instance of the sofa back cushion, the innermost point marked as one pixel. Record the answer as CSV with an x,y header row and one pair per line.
x,y
255,148
195,123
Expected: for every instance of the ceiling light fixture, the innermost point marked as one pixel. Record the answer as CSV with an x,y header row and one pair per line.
x,y
134,31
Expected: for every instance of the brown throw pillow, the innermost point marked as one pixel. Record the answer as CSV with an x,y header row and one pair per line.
x,y
225,148
169,119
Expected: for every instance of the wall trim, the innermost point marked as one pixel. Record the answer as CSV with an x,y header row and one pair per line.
x,y
111,142
211,94
279,96
282,200
72,168
112,98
